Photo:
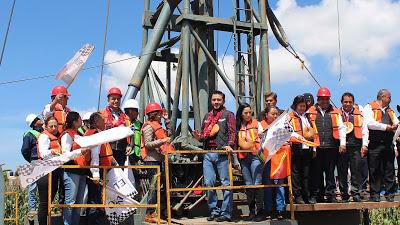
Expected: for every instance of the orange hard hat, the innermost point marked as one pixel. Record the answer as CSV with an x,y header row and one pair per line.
x,y
152,107
59,90
114,91
323,92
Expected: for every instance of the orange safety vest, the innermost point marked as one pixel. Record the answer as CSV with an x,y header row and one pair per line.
x,y
250,130
106,154
160,133
60,114
357,123
312,111
54,143
83,160
105,114
376,109
296,123
264,124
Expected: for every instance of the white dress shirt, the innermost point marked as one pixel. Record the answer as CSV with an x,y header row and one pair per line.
x,y
364,128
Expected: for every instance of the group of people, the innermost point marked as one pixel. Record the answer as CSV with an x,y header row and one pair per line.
x,y
350,137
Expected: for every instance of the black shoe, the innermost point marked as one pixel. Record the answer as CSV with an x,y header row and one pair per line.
x,y
331,200
212,217
268,215
280,215
356,198
250,217
223,219
345,199
312,200
259,217
390,198
299,200
374,199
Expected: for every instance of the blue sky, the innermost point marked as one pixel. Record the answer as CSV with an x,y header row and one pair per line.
x,y
46,34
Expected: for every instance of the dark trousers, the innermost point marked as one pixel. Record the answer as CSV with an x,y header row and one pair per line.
x,y
42,184
364,173
324,162
119,156
381,169
152,198
351,158
95,215
398,170
301,164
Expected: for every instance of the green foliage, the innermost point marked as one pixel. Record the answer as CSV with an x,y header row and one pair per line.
x,y
388,216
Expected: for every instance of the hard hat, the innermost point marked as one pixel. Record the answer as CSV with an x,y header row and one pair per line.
x,y
30,118
131,104
323,92
59,89
114,91
86,116
152,107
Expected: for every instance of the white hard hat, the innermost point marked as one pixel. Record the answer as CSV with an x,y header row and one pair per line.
x,y
131,104
30,118
87,115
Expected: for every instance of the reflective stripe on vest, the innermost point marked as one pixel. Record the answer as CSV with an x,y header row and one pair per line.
x,y
54,143
83,160
377,110
357,123
159,133
60,114
251,131
312,112
296,123
136,138
106,154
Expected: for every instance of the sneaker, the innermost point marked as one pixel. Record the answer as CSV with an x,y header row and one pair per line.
x,y
223,219
299,200
312,200
212,217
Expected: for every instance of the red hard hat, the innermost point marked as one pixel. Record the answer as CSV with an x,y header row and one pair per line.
x,y
152,107
59,90
114,91
323,92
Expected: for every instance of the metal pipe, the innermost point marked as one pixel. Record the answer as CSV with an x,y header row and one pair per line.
x,y
195,91
179,205
168,89
258,19
208,54
190,207
178,81
185,42
167,188
265,73
148,51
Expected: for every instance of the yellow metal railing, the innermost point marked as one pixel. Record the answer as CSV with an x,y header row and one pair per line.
x,y
15,219
103,204
230,187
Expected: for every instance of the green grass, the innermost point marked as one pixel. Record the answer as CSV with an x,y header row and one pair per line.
x,y
388,216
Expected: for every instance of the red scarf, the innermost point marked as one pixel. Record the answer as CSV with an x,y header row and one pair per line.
x,y
110,121
211,121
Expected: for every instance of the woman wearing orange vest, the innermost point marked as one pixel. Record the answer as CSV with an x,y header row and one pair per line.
x,y
155,141
74,179
301,153
48,145
99,156
249,130
270,114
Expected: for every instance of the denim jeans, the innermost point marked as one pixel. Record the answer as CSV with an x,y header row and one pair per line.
x,y
268,192
212,163
74,192
252,175
32,190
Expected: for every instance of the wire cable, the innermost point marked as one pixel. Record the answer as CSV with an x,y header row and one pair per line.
x,y
8,30
104,53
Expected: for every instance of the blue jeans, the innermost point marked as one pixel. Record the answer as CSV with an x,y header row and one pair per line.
x,y
32,189
279,191
252,169
74,192
217,162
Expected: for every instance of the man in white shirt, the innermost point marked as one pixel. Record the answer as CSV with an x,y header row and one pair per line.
x,y
356,142
382,123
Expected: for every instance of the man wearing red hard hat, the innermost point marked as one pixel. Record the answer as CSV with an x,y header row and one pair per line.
x,y
115,117
58,106
330,134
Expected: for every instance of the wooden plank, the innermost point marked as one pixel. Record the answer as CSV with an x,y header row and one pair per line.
x,y
343,206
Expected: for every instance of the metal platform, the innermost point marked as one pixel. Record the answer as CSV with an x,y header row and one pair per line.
x,y
203,220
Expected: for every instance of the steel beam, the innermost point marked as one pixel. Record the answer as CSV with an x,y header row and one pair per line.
x,y
265,73
194,90
148,51
212,60
185,42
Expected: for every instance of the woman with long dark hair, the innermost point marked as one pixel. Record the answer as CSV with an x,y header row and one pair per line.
x,y
249,131
74,179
